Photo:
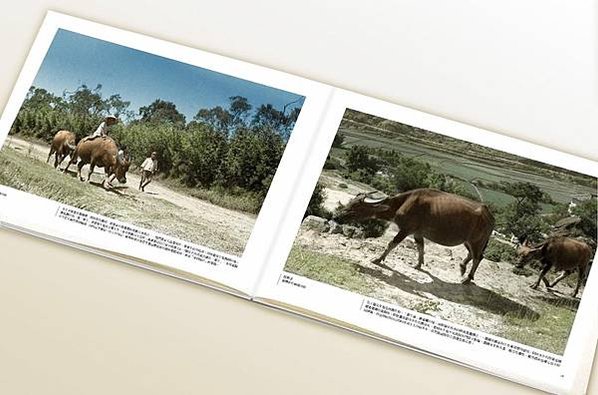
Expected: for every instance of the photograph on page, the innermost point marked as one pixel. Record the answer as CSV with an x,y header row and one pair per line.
x,y
466,233
151,149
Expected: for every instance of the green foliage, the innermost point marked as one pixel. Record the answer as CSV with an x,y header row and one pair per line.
x,y
373,227
339,139
500,252
252,158
586,211
521,217
332,164
411,174
316,203
221,149
359,161
203,152
160,112
329,269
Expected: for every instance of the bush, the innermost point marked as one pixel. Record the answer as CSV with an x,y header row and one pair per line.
x,y
373,227
500,252
203,151
359,159
316,203
332,164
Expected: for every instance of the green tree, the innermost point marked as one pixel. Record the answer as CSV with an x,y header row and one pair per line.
x,y
86,102
359,159
339,139
316,203
521,217
161,111
203,152
586,211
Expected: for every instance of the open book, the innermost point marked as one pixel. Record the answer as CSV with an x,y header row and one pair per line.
x,y
407,227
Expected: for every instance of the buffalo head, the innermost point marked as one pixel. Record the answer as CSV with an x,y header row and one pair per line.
x,y
362,206
526,252
123,162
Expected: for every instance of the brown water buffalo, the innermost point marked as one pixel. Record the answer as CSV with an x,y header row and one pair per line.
x,y
63,145
563,253
441,217
101,152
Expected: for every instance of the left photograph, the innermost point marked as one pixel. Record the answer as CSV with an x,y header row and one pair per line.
x,y
150,141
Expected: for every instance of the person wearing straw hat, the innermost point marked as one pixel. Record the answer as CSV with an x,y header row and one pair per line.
x,y
102,130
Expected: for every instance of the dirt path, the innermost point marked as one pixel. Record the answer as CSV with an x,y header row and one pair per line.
x,y
236,224
498,302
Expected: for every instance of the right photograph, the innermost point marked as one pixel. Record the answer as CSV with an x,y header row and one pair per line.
x,y
476,236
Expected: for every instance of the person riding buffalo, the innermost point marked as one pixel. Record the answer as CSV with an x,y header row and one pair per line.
x,y
102,130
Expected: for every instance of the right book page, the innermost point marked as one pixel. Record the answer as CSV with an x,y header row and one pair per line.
x,y
445,238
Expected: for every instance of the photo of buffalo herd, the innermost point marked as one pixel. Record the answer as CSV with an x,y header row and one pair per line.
x,y
451,229
154,142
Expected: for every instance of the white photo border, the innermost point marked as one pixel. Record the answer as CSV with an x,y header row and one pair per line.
x,y
344,306
273,208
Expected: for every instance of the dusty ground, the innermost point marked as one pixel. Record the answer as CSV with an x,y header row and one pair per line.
x,y
499,301
208,224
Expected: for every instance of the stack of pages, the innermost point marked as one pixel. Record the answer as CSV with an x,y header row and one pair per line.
x,y
407,227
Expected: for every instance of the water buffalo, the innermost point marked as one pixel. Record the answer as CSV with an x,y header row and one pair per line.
x,y
441,217
101,152
63,145
562,253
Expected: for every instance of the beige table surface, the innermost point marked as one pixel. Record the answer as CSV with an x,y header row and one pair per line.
x,y
75,323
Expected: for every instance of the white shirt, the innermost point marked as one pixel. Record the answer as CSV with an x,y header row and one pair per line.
x,y
150,164
102,130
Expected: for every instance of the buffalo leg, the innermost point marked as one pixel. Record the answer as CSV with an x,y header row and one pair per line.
x,y
474,267
49,155
419,241
463,265
79,167
71,161
558,279
109,178
476,251
92,166
58,158
580,276
393,243
545,268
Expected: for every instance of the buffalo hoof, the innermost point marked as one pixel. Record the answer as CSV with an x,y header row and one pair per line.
x,y
533,286
377,261
418,266
465,280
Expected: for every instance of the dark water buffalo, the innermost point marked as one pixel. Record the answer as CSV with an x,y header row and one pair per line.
x,y
101,152
441,217
563,253
63,145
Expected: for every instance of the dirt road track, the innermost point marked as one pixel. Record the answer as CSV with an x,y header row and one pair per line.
x,y
236,224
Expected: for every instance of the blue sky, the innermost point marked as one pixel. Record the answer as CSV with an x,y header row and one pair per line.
x,y
139,77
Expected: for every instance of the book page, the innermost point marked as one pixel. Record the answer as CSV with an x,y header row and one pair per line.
x,y
445,238
151,152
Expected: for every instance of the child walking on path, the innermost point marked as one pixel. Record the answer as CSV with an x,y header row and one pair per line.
x,y
149,167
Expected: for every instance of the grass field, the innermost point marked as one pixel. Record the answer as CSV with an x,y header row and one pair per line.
x,y
468,168
546,325
168,212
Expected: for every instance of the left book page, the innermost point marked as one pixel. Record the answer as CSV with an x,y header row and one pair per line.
x,y
159,155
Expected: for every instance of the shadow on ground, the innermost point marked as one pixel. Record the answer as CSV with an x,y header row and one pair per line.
x,y
468,294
